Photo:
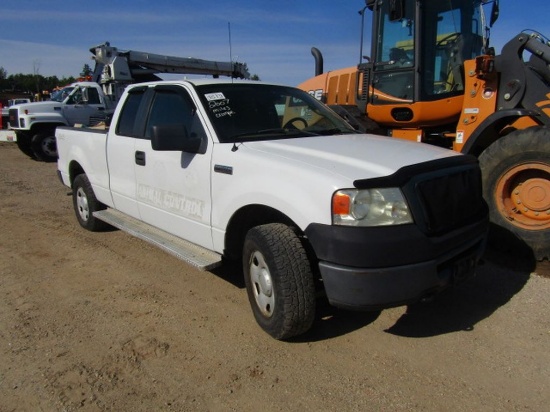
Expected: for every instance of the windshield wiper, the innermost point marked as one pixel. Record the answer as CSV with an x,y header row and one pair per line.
x,y
335,131
280,132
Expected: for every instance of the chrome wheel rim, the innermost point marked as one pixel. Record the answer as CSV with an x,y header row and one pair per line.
x,y
262,284
82,204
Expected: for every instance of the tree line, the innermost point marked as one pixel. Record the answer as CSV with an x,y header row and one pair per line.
x,y
34,83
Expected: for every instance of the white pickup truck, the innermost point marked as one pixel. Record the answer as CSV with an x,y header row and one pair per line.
x,y
269,176
35,123
6,109
13,102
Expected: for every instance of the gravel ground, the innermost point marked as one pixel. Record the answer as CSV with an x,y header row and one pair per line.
x,y
103,321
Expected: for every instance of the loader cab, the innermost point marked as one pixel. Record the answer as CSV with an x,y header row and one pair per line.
x,y
418,49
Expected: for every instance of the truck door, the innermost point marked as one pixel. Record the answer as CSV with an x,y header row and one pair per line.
x,y
121,151
173,187
84,106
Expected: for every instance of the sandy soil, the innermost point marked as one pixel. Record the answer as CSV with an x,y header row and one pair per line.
x,y
103,321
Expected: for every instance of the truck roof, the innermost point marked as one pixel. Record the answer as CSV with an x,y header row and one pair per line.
x,y
205,81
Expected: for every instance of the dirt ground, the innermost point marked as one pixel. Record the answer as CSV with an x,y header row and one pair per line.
x,y
103,321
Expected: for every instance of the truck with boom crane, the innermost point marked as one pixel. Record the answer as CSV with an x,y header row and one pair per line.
x,y
432,77
92,102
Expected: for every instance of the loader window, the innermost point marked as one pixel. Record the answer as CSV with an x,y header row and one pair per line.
x,y
395,54
396,42
456,36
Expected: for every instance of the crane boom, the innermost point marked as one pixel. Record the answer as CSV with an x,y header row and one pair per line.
x,y
115,68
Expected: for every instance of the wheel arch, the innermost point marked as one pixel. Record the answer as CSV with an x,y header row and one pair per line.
x,y
493,128
44,127
248,217
75,169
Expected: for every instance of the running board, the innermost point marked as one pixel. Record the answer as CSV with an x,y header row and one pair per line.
x,y
195,255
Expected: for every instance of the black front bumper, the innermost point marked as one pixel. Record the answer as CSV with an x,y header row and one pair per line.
x,y
374,268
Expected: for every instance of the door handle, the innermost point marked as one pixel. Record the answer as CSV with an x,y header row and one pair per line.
x,y
140,158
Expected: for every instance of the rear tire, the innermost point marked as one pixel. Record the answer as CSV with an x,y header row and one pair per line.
x,y
44,146
279,280
516,186
85,204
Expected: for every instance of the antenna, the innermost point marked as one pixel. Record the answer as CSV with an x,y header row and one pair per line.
x,y
230,51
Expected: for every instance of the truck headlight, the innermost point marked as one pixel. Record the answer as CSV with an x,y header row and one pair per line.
x,y
370,207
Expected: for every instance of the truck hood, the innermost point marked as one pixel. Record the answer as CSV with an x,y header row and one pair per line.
x,y
352,156
38,107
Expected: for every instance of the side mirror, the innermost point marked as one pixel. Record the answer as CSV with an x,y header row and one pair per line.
x,y
397,10
175,138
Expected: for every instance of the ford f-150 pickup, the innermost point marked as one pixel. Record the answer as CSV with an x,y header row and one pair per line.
x,y
267,175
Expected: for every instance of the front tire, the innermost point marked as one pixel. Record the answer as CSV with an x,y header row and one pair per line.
x,y
279,280
516,186
85,204
24,143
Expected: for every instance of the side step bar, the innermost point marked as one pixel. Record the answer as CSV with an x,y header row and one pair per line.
x,y
195,255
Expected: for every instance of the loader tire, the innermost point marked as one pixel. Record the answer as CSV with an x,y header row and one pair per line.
x,y
516,186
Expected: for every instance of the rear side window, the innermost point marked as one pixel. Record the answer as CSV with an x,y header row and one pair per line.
x,y
93,96
128,115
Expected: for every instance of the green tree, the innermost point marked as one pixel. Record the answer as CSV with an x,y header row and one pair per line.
x,y
3,76
86,70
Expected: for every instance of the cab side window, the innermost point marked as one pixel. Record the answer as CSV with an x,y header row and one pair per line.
x,y
93,96
127,120
76,97
171,107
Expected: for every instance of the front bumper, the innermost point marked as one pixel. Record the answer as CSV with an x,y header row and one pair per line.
x,y
368,272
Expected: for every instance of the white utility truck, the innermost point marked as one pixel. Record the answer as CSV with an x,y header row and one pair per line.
x,y
269,176
35,122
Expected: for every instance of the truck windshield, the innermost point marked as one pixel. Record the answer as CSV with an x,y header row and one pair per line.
x,y
61,95
246,112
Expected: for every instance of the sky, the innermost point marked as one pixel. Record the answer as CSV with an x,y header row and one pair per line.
x,y
274,38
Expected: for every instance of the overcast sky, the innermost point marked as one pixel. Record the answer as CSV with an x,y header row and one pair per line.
x,y
53,37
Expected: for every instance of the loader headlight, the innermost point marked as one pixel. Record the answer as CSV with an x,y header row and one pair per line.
x,y
370,207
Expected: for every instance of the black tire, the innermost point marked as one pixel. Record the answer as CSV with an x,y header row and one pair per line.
x,y
24,144
279,280
85,204
516,186
44,146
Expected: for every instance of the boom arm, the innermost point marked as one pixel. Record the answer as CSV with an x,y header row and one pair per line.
x,y
539,46
525,83
114,67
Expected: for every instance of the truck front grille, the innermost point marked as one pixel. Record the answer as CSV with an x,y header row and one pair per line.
x,y
443,194
14,118
449,201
